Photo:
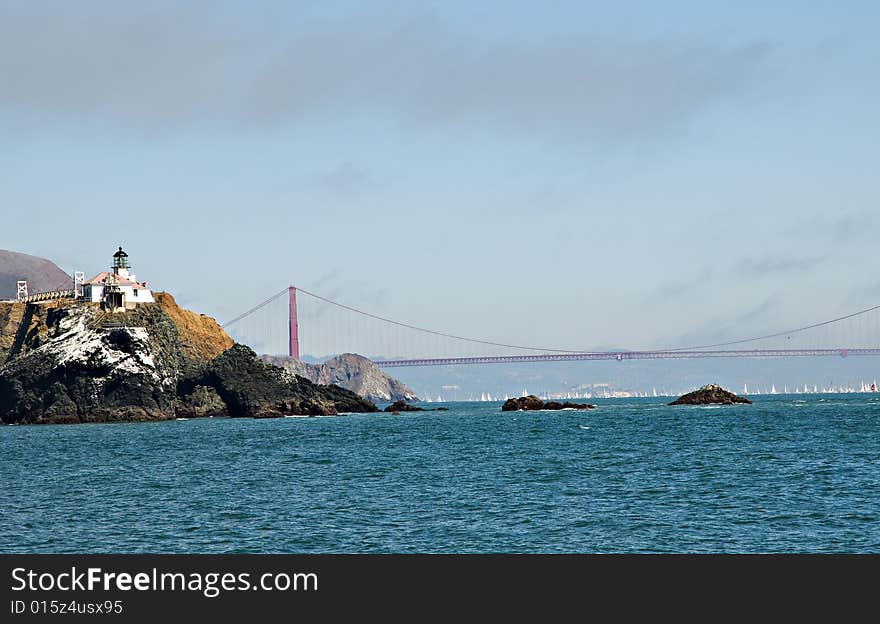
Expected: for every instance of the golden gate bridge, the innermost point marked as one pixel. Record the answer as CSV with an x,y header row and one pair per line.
x,y
296,322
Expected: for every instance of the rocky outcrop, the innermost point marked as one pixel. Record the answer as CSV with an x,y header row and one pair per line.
x,y
68,367
250,387
351,371
533,403
711,394
71,362
403,406
41,275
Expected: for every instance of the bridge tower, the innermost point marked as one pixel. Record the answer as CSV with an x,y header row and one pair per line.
x,y
22,289
292,324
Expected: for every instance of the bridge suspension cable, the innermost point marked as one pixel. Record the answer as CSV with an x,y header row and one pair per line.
x,y
431,331
777,334
343,339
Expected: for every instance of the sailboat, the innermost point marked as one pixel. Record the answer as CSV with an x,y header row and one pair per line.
x,y
773,389
655,391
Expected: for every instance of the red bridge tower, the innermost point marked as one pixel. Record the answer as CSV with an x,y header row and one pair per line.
x,y
293,325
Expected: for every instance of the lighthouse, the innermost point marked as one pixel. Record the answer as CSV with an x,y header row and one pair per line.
x,y
118,289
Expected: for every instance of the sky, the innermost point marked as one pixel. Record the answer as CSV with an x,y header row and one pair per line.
x,y
569,174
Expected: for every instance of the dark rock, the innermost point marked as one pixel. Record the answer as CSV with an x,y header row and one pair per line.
x,y
403,406
711,394
533,403
72,363
250,387
199,402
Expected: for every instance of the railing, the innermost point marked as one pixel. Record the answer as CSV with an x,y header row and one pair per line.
x,y
47,296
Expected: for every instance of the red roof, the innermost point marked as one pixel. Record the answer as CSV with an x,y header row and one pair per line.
x,y
123,281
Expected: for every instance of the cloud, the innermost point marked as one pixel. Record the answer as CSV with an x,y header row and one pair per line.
x,y
345,179
751,322
678,288
863,295
759,267
838,228
744,268
161,65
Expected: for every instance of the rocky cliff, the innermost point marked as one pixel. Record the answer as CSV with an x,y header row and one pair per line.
x,y
351,371
41,274
69,362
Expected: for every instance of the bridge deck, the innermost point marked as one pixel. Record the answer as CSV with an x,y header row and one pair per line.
x,y
629,355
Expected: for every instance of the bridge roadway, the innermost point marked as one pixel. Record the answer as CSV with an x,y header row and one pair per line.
x,y
628,355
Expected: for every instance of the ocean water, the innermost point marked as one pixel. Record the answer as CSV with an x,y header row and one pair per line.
x,y
788,474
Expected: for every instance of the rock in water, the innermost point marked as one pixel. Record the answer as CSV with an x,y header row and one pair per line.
x,y
533,403
403,406
711,394
70,362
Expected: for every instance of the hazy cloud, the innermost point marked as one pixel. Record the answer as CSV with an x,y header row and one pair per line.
x,y
165,65
746,324
838,228
865,294
678,288
345,179
744,268
769,265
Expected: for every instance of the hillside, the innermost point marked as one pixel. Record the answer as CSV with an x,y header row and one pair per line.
x,y
41,274
201,337
351,371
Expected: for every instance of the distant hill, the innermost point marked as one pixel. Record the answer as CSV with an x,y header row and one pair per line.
x,y
350,371
41,274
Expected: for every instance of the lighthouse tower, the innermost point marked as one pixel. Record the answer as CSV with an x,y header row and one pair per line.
x,y
118,289
120,265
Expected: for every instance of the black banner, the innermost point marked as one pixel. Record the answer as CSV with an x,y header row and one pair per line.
x,y
284,587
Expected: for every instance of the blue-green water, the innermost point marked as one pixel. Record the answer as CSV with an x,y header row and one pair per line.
x,y
786,474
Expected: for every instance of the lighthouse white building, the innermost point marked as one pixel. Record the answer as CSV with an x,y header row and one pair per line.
x,y
118,289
